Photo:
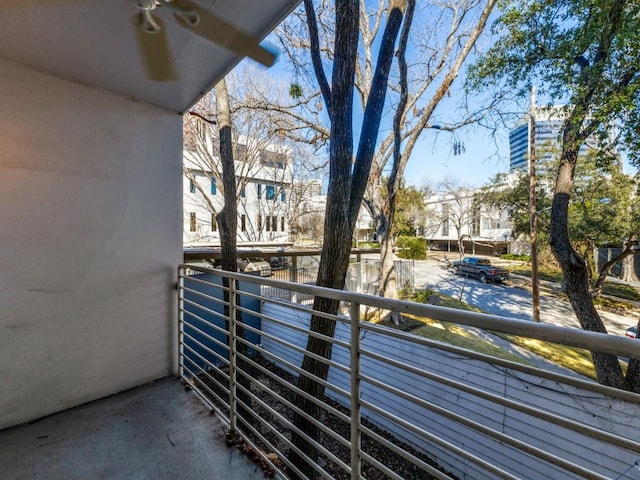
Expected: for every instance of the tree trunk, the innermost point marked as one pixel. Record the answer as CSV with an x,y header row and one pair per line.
x,y
628,273
228,226
388,278
628,267
574,268
347,182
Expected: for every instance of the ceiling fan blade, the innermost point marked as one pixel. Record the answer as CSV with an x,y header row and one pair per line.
x,y
219,31
154,47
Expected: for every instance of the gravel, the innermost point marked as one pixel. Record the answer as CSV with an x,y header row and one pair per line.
x,y
270,380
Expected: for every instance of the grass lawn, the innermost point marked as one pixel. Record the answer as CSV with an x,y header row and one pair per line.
x,y
576,359
620,291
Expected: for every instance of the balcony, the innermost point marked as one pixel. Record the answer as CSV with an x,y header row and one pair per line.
x,y
424,409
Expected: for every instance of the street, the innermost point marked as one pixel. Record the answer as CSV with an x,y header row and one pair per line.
x,y
507,299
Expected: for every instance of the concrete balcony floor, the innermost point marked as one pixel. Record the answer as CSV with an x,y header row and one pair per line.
x,y
156,431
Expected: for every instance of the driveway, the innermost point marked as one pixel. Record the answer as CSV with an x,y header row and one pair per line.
x,y
509,300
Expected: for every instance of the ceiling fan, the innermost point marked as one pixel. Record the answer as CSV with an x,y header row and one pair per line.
x,y
156,52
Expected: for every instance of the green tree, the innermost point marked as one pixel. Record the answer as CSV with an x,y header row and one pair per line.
x,y
584,52
511,193
603,212
409,212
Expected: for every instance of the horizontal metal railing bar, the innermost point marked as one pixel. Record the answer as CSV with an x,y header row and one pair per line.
x,y
478,427
197,324
594,341
293,347
285,440
204,398
203,385
443,443
535,371
206,373
200,293
407,456
301,371
532,411
304,308
202,308
194,326
289,424
297,328
212,352
272,447
380,466
193,352
295,389
530,370
205,282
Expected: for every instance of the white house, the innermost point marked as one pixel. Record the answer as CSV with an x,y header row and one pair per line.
x,y
459,217
264,179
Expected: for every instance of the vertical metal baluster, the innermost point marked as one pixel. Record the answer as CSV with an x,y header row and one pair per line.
x,y
233,359
181,272
356,443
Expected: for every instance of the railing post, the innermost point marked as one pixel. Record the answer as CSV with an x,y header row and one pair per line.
x,y
233,357
356,443
293,277
181,272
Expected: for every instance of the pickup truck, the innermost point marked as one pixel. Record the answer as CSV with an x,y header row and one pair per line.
x,y
480,268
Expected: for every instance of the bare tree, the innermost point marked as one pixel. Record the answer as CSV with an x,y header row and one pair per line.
x,y
263,170
347,181
458,209
449,31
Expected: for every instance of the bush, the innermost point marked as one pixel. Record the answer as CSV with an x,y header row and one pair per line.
x,y
412,248
515,256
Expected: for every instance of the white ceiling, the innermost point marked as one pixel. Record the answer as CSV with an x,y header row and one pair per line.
x,y
93,42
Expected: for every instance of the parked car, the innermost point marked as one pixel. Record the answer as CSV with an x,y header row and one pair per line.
x,y
279,263
480,268
632,332
254,264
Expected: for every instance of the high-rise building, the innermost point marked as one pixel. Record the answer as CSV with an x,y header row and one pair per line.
x,y
547,132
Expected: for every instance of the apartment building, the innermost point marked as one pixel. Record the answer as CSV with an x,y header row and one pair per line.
x,y
263,181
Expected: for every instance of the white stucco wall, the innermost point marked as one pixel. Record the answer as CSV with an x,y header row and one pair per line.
x,y
91,232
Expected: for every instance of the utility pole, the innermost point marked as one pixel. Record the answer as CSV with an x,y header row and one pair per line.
x,y
533,215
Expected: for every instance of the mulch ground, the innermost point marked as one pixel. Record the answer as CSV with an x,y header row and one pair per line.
x,y
262,385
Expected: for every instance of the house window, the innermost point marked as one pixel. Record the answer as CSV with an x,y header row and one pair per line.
x,y
192,186
213,186
267,223
445,228
243,223
282,224
214,223
259,190
274,223
259,222
242,192
282,196
192,221
271,192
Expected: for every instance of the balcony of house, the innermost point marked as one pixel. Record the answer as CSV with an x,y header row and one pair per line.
x,y
392,405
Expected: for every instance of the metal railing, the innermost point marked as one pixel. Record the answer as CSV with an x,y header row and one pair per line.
x,y
397,405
